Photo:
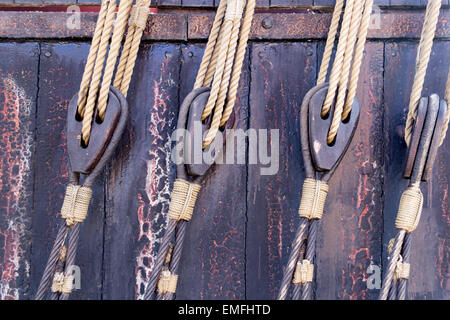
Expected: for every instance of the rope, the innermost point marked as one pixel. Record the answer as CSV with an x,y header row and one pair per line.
x,y
304,272
183,198
423,58
330,42
314,195
410,209
344,75
94,89
222,61
411,202
76,203
97,73
167,282
92,97
352,39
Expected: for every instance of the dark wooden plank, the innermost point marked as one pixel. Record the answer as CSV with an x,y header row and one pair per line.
x,y
290,3
198,3
277,89
140,177
213,264
61,67
197,24
429,260
18,92
351,230
169,3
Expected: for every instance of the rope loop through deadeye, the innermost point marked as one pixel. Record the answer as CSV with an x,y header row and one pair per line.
x,y
425,130
214,94
91,142
322,147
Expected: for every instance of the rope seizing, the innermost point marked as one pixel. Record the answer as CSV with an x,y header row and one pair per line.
x,y
410,208
218,75
341,93
92,99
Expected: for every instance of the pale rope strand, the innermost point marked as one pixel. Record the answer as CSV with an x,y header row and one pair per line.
x,y
330,42
222,95
119,29
359,54
423,58
124,57
138,31
82,94
239,60
212,40
97,74
447,115
337,65
212,65
345,72
227,26
130,64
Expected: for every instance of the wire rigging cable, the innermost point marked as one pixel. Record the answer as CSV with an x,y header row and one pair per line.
x,y
337,97
214,91
96,119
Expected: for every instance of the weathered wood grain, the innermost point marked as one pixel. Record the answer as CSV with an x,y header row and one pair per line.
x,y
350,233
18,91
430,251
60,72
281,76
213,265
196,25
140,176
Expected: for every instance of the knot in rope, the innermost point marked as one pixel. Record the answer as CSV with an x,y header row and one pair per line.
x,y
62,283
76,203
410,209
304,272
184,196
314,195
167,282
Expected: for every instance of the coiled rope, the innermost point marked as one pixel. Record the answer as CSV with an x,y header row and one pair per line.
x,y
220,70
410,208
343,82
93,97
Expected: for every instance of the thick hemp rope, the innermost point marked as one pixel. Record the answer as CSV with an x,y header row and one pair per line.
x,y
97,76
343,82
219,70
96,82
410,207
222,61
422,61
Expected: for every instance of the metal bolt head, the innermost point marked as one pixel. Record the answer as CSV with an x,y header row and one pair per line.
x,y
267,23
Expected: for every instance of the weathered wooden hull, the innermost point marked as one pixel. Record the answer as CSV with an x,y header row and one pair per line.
x,y
239,237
